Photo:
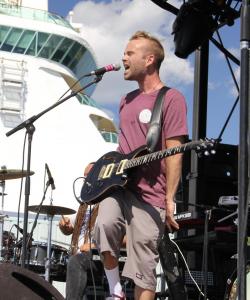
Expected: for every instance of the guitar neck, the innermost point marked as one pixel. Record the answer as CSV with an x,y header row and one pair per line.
x,y
144,159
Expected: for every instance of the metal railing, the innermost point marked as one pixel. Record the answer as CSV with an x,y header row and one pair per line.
x,y
32,14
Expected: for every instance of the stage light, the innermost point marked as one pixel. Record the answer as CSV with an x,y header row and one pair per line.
x,y
193,25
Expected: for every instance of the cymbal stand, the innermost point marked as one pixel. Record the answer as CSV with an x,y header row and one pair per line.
x,y
30,129
48,259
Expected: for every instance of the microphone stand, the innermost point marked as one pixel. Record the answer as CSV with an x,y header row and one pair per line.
x,y
30,129
37,215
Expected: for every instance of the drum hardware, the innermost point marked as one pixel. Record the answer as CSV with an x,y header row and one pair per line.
x,y
8,243
7,174
50,211
56,241
37,258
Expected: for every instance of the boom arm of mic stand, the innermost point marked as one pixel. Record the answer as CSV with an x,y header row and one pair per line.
x,y
32,119
30,129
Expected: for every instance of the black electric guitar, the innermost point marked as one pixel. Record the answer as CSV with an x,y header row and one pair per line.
x,y
110,171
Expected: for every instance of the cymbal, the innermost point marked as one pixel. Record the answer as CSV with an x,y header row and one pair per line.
x,y
52,210
6,174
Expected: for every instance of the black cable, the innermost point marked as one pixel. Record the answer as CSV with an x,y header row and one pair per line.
x,y
78,199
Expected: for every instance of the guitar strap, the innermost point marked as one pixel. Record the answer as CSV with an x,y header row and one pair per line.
x,y
155,122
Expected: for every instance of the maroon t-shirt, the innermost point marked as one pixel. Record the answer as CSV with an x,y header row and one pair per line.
x,y
148,181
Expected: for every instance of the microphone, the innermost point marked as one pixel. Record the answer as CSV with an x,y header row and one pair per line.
x,y
51,180
101,71
19,228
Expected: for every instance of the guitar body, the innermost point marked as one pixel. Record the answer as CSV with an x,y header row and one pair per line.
x,y
106,175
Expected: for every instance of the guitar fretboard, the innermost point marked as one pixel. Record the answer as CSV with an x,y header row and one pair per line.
x,y
144,159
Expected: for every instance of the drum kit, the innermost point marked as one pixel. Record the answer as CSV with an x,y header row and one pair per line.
x,y
47,259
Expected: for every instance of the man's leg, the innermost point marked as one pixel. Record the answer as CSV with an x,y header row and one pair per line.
x,y
109,232
76,280
142,294
111,269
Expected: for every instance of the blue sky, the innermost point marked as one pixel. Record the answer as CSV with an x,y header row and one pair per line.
x,y
61,7
111,22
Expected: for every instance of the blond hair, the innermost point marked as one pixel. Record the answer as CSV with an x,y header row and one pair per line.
x,y
157,47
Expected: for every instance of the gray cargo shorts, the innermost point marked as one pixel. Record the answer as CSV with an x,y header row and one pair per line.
x,y
120,214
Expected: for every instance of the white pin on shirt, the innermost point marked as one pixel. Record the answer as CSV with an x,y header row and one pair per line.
x,y
145,116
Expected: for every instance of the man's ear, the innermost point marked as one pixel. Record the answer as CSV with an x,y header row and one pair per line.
x,y
150,59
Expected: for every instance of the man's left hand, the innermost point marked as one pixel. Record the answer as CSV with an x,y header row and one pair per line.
x,y
87,247
170,221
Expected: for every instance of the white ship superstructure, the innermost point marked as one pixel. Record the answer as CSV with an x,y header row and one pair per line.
x,y
41,56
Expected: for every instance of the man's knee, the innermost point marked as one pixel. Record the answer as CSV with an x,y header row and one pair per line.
x,y
78,261
109,261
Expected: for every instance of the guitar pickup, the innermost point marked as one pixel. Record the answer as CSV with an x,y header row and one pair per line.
x,y
108,171
121,166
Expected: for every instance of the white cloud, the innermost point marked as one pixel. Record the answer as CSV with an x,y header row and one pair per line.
x,y
234,90
234,51
107,28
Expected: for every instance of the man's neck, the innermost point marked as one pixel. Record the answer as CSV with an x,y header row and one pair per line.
x,y
150,84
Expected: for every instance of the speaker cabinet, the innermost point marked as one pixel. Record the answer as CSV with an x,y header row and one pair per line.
x,y
17,283
217,176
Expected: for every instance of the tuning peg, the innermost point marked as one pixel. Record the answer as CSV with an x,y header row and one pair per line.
x,y
200,154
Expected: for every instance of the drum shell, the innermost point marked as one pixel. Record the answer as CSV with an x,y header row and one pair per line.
x,y
37,256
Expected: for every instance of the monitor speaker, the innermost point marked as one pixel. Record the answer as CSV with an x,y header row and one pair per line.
x,y
17,283
217,175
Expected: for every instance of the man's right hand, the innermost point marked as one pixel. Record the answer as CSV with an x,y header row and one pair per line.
x,y
88,168
66,226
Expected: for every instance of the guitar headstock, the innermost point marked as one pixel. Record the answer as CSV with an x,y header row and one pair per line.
x,y
206,147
